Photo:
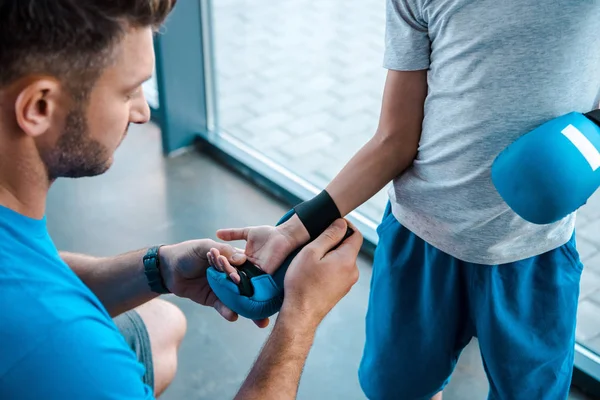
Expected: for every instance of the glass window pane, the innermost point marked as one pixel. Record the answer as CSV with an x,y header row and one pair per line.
x,y
151,92
301,81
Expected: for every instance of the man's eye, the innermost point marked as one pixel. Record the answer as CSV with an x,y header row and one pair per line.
x,y
133,94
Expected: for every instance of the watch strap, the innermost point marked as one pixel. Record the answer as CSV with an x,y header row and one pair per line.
x,y
152,271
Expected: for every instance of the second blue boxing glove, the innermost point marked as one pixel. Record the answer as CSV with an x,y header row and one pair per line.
x,y
552,171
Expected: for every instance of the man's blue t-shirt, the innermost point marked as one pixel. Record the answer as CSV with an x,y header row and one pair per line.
x,y
57,340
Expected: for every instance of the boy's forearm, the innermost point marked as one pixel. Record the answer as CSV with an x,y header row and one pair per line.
x,y
387,155
370,170
394,146
373,167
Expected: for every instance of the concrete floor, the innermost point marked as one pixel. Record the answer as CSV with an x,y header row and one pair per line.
x,y
146,199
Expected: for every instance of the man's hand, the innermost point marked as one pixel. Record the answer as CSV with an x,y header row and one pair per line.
x,y
266,246
184,265
315,282
318,278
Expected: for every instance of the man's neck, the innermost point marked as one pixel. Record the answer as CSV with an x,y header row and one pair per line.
x,y
23,180
23,203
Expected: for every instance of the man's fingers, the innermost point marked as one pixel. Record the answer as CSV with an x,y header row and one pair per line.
x,y
225,312
234,255
213,301
233,234
211,260
213,256
221,263
262,323
329,238
232,316
354,242
228,269
349,247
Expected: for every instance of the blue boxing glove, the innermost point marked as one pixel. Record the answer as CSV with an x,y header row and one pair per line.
x,y
553,170
260,295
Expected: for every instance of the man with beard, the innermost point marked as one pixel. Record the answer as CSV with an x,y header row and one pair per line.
x,y
78,327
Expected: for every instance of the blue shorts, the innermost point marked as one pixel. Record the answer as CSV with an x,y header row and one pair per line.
x,y
425,306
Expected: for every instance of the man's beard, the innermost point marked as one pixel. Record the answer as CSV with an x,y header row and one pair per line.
x,y
76,154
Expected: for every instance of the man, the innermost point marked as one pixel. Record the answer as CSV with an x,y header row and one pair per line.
x,y
70,84
465,80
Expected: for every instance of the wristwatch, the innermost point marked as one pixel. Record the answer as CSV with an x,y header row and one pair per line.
x,y
152,271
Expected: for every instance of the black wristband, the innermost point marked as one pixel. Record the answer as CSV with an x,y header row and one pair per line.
x,y
317,214
594,116
152,271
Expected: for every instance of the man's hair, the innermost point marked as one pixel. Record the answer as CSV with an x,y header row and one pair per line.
x,y
71,40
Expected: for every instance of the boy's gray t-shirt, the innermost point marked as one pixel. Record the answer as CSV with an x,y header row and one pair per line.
x,y
497,70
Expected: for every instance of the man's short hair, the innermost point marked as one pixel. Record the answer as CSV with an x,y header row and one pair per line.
x,y
71,40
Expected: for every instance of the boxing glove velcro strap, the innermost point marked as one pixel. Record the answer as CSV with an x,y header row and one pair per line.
x,y
246,272
317,214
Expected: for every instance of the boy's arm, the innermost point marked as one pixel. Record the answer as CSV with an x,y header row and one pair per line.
x,y
391,150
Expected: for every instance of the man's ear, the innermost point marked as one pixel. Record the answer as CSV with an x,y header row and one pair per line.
x,y
36,106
